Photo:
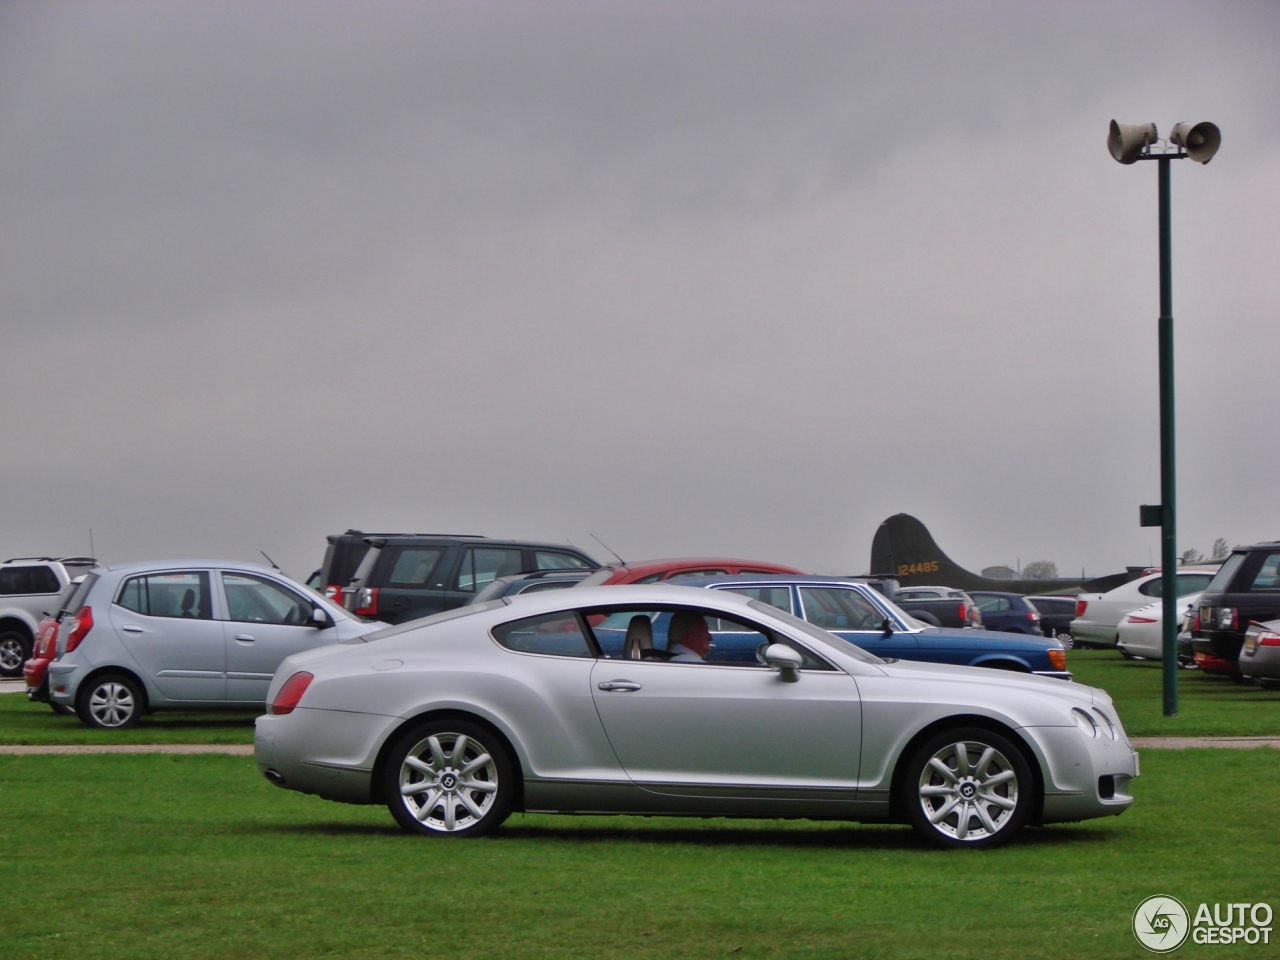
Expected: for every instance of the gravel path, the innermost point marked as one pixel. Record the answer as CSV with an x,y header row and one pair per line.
x,y
1189,743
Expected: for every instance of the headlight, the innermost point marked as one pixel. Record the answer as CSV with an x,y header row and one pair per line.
x,y
1088,726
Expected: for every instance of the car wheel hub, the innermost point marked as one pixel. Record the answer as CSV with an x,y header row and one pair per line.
x,y
449,782
10,654
111,704
968,791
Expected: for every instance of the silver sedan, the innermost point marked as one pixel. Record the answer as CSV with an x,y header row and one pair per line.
x,y
677,701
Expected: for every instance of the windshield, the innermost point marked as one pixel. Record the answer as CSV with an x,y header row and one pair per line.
x,y
1222,579
814,633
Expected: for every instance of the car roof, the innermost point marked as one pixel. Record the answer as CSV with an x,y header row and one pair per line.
x,y
766,578
149,565
529,604
694,563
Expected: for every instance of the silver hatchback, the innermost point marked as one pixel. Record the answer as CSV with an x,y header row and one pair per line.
x,y
184,634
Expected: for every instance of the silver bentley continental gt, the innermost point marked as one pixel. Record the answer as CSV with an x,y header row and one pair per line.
x,y
678,701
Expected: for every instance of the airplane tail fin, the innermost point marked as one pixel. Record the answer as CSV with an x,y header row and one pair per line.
x,y
904,549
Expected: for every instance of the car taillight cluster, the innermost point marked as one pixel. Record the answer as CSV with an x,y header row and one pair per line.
x,y
964,613
1195,622
79,626
46,641
333,592
1081,607
366,602
1033,616
1219,618
1267,638
291,692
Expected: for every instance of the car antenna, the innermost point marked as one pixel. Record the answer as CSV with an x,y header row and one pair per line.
x,y
272,562
607,547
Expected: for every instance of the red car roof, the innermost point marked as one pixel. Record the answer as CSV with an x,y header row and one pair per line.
x,y
631,572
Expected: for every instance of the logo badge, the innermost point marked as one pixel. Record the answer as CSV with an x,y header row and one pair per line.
x,y
1161,923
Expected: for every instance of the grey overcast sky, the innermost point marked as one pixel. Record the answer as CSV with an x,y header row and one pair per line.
x,y
700,278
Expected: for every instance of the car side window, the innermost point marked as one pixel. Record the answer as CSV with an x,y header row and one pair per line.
x,y
183,596
481,565
779,597
551,634
709,572
1192,583
15,581
1267,579
1152,588
255,600
551,560
836,609
413,566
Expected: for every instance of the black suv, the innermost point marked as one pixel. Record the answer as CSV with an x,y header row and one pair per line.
x,y
396,577
1246,588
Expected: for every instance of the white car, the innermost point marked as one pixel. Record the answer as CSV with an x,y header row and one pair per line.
x,y
1139,633
1098,615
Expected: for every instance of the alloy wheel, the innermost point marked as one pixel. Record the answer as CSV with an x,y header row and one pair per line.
x,y
112,704
12,654
968,791
448,782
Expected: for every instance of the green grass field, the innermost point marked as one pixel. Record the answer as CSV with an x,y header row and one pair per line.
x,y
161,857
1210,706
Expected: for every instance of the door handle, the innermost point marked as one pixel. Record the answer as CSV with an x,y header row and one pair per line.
x,y
130,628
619,686
245,637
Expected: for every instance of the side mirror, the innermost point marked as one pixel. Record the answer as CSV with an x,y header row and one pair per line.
x,y
320,619
887,626
785,660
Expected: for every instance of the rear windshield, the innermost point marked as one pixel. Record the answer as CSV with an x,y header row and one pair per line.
x,y
82,592
1222,579
453,614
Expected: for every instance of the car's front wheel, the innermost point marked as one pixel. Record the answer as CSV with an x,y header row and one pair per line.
x,y
109,702
968,787
449,778
15,648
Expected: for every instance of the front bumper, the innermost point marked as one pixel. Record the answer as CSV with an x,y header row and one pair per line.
x,y
1087,777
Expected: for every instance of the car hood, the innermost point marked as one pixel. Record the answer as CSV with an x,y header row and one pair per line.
x,y
995,638
1070,692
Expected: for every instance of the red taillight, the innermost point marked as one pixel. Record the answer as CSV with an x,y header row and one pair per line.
x,y
366,602
1033,616
45,641
333,592
291,693
1268,639
1195,622
1139,620
1081,607
964,613
81,624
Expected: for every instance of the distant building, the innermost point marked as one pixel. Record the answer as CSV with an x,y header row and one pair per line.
x,y
1000,573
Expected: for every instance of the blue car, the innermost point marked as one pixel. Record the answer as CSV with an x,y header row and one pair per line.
x,y
859,614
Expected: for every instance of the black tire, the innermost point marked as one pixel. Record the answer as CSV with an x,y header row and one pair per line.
x,y
110,701
924,616
60,710
15,650
433,810
923,785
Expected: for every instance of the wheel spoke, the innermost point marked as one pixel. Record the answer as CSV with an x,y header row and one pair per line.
x,y
985,817
943,811
937,790
474,765
409,789
472,807
962,825
459,750
437,753
428,805
418,765
994,781
962,759
484,786
1003,802
450,802
980,770
942,770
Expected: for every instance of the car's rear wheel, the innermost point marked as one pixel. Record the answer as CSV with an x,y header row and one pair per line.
x,y
449,778
1067,640
109,702
15,649
968,787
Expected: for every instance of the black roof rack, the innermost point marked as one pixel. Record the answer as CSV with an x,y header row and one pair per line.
x,y
41,559
75,560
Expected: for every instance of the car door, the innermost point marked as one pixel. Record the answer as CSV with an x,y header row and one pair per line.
x,y
266,622
166,622
704,729
478,566
845,612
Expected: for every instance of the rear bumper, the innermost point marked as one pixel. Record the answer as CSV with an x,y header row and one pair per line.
x,y
1263,662
34,672
325,752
